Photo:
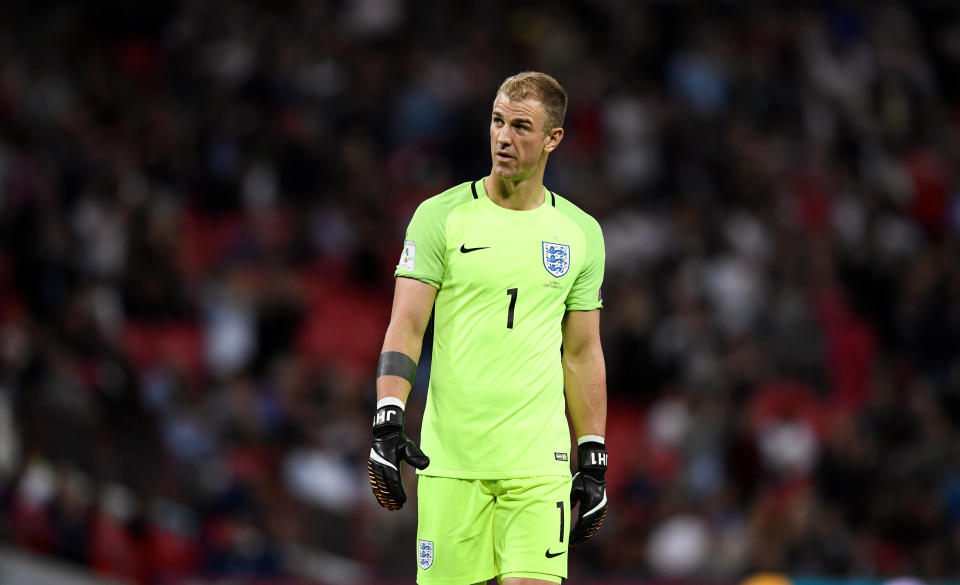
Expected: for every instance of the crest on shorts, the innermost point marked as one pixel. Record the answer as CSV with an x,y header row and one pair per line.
x,y
424,553
556,258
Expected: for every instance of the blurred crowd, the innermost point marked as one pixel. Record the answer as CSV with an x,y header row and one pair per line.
x,y
201,205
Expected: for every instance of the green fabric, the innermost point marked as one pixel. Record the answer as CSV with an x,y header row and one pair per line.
x,y
495,404
480,529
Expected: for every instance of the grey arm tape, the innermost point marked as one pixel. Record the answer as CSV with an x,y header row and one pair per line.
x,y
395,363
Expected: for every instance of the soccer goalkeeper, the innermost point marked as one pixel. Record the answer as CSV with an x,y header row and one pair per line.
x,y
513,274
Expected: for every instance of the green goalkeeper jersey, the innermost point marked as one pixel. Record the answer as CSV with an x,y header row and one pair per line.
x,y
495,405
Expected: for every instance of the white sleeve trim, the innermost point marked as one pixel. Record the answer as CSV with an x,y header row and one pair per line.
x,y
581,440
390,401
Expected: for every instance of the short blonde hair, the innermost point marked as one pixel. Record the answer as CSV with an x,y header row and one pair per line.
x,y
541,87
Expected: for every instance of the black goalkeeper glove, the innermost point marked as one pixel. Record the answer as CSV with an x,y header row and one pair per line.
x,y
390,447
589,490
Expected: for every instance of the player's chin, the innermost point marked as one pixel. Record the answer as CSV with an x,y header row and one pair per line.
x,y
504,170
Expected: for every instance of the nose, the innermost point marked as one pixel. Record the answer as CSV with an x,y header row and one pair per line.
x,y
503,137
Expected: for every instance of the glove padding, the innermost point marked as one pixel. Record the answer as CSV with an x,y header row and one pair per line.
x,y
389,448
590,491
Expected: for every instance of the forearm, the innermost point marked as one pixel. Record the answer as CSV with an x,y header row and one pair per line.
x,y
407,340
585,388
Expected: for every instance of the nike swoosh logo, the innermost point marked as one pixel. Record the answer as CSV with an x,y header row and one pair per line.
x,y
466,250
602,503
550,555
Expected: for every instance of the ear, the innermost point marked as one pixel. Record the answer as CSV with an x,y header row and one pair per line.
x,y
553,138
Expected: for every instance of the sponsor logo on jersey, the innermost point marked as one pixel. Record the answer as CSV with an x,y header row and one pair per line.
x,y
409,256
556,258
424,553
560,456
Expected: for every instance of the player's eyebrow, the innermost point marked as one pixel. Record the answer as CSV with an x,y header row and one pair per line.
x,y
519,119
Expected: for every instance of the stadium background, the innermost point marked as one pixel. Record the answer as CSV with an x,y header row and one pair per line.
x,y
201,204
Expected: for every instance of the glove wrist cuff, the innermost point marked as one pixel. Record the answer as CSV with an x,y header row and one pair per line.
x,y
592,459
389,418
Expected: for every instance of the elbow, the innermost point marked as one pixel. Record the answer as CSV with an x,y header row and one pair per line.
x,y
583,354
401,332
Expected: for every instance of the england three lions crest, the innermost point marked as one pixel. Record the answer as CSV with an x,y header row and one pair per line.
x,y
424,553
556,258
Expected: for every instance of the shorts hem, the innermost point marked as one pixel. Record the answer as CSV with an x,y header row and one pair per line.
x,y
423,579
530,575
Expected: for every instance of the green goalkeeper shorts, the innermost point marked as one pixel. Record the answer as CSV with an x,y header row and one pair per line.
x,y
471,530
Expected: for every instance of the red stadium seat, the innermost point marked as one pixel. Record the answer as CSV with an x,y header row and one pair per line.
x,y
178,343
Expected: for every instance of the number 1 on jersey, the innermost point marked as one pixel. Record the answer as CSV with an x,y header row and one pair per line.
x,y
513,305
560,505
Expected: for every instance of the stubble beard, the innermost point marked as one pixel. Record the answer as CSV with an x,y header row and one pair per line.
x,y
512,171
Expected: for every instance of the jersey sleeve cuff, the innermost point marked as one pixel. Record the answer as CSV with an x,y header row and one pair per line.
x,y
592,307
425,279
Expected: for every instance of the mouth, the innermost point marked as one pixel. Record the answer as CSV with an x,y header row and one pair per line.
x,y
502,156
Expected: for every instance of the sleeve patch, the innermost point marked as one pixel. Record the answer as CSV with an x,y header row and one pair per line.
x,y
409,255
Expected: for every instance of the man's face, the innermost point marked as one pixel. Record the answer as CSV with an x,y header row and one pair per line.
x,y
519,137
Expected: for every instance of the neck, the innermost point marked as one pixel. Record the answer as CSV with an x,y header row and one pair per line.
x,y
517,195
